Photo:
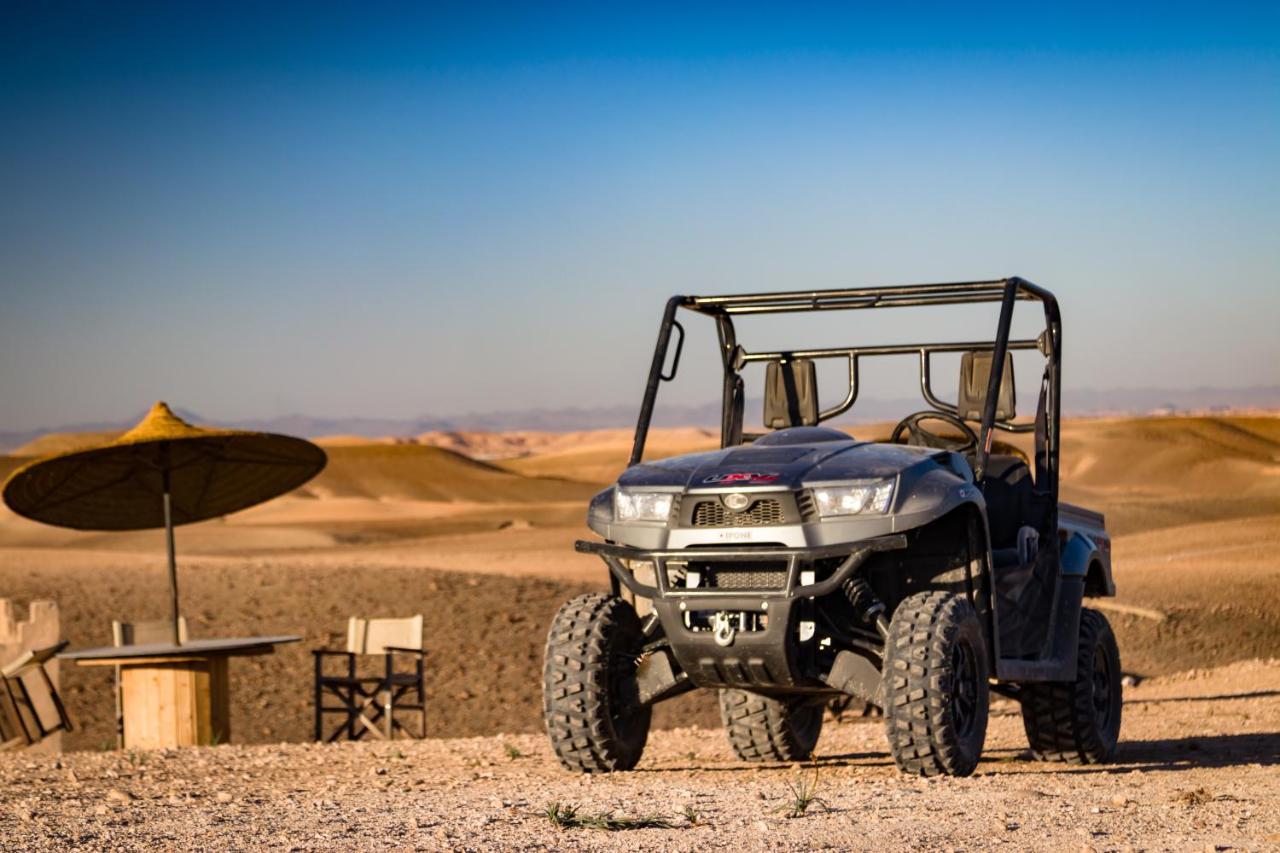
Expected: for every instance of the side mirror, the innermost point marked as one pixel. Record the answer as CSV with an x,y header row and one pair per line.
x,y
790,393
975,375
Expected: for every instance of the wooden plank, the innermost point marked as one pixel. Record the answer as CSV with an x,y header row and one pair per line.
x,y
184,704
172,683
219,702
140,693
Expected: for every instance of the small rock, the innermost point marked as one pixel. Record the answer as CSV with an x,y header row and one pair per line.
x,y
101,810
222,797
1129,681
1120,800
115,795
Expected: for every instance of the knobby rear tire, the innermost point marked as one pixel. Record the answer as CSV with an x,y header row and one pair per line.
x,y
762,728
589,695
1078,722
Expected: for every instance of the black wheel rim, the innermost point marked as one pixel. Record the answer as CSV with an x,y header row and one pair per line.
x,y
964,688
1101,687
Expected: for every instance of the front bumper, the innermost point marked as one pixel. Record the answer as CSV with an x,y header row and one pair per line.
x,y
854,554
766,660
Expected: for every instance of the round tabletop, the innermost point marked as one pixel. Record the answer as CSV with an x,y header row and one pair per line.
x,y
191,649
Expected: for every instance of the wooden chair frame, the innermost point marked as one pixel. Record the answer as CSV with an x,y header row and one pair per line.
x,y
19,698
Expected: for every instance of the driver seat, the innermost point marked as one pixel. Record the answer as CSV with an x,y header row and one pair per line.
x,y
1006,483
1007,489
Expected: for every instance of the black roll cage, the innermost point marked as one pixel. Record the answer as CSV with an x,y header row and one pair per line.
x,y
1007,291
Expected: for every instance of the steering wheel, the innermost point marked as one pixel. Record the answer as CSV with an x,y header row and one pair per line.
x,y
921,437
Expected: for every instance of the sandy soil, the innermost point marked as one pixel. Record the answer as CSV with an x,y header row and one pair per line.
x,y
1196,771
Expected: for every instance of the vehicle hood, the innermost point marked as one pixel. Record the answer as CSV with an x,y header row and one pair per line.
x,y
776,466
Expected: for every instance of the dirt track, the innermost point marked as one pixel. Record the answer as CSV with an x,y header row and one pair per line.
x,y
1197,770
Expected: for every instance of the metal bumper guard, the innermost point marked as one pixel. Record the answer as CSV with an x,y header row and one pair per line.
x,y
756,660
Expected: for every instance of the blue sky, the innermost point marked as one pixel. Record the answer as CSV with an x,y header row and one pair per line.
x,y
403,210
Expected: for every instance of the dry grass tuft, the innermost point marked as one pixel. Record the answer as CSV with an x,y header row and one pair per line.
x,y
570,816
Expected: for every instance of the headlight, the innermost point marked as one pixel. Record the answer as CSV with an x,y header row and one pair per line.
x,y
642,506
866,498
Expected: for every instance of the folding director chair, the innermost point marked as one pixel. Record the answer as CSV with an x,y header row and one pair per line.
x,y
367,704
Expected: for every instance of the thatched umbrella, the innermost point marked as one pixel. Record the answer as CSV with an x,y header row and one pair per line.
x,y
162,473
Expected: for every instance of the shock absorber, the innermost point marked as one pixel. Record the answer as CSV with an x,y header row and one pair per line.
x,y
866,603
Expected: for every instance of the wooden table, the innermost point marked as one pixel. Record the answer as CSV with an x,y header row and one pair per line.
x,y
176,695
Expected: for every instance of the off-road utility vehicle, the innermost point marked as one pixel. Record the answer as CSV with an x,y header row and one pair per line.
x,y
799,565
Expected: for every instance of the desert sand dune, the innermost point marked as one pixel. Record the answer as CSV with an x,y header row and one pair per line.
x,y
479,444
417,472
63,442
599,456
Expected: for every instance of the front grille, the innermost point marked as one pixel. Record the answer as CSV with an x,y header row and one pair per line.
x,y
760,576
747,579
766,511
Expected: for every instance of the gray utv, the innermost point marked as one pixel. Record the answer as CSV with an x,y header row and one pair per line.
x,y
795,567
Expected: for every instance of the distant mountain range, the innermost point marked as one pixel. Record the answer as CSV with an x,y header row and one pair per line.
x,y
1079,402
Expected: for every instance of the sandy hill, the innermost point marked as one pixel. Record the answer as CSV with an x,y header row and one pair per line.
x,y
480,444
327,441
598,456
419,472
62,442
9,464
1149,473
1143,472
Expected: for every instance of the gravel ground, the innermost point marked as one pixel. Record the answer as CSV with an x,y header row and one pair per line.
x,y
1197,770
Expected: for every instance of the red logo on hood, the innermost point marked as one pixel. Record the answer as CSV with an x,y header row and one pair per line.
x,y
742,477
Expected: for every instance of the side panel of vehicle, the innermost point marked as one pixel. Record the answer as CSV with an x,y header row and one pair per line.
x,y
1086,549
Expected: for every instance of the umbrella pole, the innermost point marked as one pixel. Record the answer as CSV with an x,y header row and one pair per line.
x,y
173,562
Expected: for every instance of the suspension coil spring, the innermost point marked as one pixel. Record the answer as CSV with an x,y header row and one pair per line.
x,y
866,603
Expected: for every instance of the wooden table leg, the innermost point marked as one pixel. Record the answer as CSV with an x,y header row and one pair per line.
x,y
184,703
